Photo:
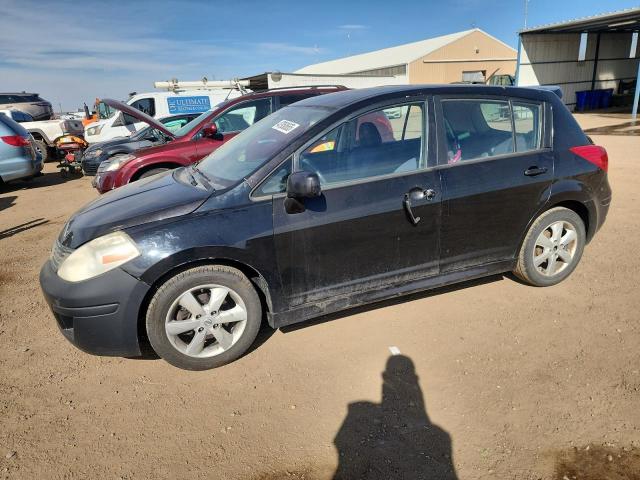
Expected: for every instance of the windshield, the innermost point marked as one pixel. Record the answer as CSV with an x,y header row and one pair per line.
x,y
250,149
141,134
105,111
191,125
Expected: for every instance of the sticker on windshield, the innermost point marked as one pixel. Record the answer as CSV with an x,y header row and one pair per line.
x,y
285,126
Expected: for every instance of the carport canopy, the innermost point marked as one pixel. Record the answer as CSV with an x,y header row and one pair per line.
x,y
624,21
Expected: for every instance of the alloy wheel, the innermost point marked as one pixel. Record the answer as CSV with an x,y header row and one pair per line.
x,y
206,320
555,248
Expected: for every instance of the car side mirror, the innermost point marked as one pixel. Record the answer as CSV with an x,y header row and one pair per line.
x,y
301,185
210,130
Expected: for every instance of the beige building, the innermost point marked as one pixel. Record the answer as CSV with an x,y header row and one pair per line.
x,y
472,55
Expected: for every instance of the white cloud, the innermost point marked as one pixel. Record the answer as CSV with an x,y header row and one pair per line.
x,y
74,53
353,26
288,48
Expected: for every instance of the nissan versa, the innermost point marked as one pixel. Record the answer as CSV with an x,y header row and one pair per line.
x,y
336,201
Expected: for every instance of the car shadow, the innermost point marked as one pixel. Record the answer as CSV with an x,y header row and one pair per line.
x,y
265,333
6,202
394,438
9,232
45,180
391,302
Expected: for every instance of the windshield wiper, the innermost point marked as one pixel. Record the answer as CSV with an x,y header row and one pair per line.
x,y
193,180
205,180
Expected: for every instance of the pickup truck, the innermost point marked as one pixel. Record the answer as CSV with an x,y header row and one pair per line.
x,y
46,132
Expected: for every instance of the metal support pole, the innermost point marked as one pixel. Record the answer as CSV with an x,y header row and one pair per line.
x,y
634,113
518,60
595,63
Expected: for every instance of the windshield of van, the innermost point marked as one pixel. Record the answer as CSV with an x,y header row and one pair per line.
x,y
192,124
249,150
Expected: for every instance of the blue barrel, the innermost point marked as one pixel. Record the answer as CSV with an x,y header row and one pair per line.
x,y
581,100
605,98
594,100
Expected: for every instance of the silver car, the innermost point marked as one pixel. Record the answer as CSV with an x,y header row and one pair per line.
x,y
30,103
19,157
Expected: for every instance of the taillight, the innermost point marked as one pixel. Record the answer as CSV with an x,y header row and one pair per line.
x,y
594,154
16,141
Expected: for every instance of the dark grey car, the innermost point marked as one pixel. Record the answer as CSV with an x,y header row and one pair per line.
x,y
30,103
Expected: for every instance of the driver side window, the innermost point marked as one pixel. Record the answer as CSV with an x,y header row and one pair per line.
x,y
243,115
383,142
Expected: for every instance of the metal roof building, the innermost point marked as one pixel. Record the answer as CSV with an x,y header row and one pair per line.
x,y
469,55
585,54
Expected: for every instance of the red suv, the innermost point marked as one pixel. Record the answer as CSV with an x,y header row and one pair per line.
x,y
199,137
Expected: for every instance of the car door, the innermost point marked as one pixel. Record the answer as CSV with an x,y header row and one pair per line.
x,y
376,223
233,121
496,173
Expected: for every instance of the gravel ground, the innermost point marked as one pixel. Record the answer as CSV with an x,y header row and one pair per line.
x,y
494,379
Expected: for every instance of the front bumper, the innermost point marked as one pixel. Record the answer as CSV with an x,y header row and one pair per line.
x,y
100,315
104,181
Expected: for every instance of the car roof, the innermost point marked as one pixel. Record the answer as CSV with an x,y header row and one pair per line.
x,y
345,98
278,92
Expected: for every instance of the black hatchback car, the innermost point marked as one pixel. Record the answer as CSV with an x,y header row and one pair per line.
x,y
335,201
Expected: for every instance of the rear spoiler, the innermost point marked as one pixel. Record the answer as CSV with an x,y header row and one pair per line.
x,y
549,88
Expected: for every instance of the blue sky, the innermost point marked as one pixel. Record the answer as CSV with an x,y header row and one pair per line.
x,y
71,52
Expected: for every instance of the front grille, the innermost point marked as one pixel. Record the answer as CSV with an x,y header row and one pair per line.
x,y
89,168
58,254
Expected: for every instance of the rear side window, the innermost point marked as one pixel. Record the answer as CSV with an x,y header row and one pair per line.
x,y
29,98
378,143
21,117
145,105
5,99
477,129
527,118
289,99
13,127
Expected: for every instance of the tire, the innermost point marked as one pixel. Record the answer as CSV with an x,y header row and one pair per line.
x,y
153,171
222,342
44,150
543,262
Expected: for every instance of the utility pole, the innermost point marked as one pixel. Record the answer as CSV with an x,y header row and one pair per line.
x,y
526,12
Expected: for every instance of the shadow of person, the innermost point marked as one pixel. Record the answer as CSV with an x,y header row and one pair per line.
x,y
393,439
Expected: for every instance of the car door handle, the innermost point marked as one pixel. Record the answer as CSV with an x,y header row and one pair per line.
x,y
533,171
416,194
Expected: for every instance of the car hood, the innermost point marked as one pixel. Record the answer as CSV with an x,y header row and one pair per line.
x,y
109,148
107,143
138,115
148,200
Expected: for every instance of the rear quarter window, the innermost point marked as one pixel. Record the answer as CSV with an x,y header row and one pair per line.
x,y
13,127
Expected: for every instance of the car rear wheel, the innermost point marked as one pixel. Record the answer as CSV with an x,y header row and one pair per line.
x,y
43,149
153,171
552,248
204,317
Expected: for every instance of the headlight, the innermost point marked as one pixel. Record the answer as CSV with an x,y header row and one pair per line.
x,y
116,162
98,256
93,153
95,130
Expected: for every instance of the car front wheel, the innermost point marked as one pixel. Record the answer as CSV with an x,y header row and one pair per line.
x,y
552,248
204,317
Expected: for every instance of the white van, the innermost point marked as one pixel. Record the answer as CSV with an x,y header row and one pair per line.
x,y
157,105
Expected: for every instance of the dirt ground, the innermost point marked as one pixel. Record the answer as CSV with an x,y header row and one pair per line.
x,y
494,379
